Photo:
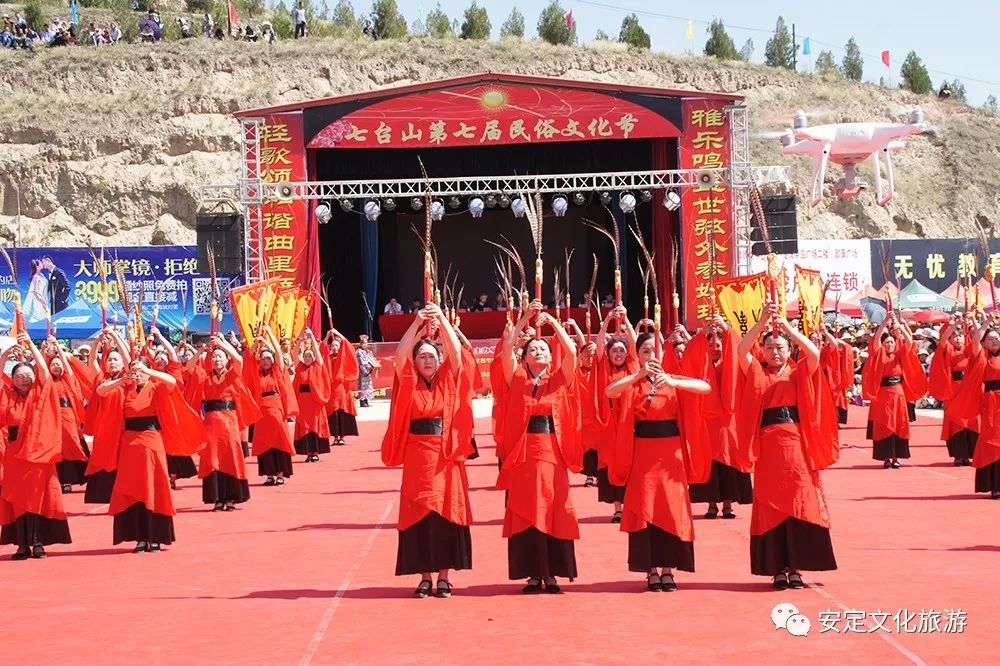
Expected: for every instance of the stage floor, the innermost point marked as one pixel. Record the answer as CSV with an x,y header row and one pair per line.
x,y
303,574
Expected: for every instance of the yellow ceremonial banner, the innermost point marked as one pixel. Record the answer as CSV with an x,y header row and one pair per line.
x,y
291,311
741,300
810,285
252,306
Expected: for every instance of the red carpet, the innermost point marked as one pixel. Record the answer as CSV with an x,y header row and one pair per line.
x,y
303,574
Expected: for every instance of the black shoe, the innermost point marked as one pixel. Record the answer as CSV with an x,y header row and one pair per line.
x,y
66,489
780,582
967,462
280,481
895,464
443,589
653,583
21,554
553,588
887,464
230,506
617,518
270,481
339,442
713,512
38,552
959,462
153,548
173,484
667,583
218,506
728,513
424,589
141,547
534,586
795,581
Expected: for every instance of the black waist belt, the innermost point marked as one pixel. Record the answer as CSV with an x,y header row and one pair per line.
x,y
776,415
141,423
540,425
426,426
957,376
65,402
268,394
993,385
656,429
12,434
218,405
305,388
892,381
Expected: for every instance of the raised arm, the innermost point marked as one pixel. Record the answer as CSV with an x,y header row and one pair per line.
x,y
61,353
745,351
568,366
121,346
452,347
807,349
154,333
404,348
41,367
507,358
231,352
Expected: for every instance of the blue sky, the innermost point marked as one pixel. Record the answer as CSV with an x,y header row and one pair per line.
x,y
954,39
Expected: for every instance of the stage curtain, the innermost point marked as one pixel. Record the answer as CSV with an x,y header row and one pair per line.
x,y
370,268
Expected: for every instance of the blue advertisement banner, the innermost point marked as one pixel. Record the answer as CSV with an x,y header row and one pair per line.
x,y
60,289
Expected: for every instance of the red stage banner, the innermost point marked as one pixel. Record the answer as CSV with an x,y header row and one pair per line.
x,y
385,352
491,114
285,239
707,248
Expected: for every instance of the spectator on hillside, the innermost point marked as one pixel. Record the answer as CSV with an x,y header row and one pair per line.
x,y
267,33
208,26
154,15
95,36
250,34
369,28
114,33
46,35
299,14
185,27
6,38
74,15
219,34
19,22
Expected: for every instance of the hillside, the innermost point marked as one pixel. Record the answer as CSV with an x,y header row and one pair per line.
x,y
114,143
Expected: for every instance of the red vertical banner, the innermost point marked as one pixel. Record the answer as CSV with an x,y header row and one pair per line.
x,y
708,247
285,245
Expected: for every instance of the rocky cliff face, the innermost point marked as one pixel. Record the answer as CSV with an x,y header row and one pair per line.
x,y
114,144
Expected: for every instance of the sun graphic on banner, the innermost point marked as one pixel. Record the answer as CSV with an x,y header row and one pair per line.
x,y
493,99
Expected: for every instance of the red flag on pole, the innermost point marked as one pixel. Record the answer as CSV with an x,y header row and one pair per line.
x,y
885,58
233,18
569,19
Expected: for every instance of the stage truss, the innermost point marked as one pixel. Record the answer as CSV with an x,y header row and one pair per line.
x,y
251,191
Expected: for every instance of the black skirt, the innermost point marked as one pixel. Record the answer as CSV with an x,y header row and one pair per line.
x,y
795,544
606,492
181,467
725,484
312,444
30,529
988,478
274,462
891,447
842,415
137,523
963,444
220,487
71,472
342,424
534,554
246,449
654,548
590,462
432,544
475,450
99,487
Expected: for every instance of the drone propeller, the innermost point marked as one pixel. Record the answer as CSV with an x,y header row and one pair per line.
x,y
768,136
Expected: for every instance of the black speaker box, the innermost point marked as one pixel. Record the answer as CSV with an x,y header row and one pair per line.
x,y
782,226
222,233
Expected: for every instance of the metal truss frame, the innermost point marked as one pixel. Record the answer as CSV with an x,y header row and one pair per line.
x,y
251,198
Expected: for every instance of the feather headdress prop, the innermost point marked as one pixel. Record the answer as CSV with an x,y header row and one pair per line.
x,y
651,276
615,239
984,244
590,297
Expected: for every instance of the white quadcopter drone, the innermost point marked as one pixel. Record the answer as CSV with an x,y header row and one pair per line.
x,y
849,144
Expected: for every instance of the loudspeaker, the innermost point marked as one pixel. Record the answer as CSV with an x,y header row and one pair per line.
x,y
222,233
782,226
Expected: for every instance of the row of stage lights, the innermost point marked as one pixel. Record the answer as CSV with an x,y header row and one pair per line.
x,y
560,204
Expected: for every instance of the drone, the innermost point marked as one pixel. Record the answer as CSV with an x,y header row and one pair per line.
x,y
850,144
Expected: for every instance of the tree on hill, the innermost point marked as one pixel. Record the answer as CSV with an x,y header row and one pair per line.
x,y
853,64
632,33
477,22
719,43
825,63
779,50
389,23
438,24
746,51
915,76
344,20
553,26
513,26
602,36
958,91
991,104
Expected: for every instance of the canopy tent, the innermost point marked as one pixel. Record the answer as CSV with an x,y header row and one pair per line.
x,y
915,296
958,289
830,304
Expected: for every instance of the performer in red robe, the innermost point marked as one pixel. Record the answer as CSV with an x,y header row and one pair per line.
x,y
111,357
166,359
31,508
948,368
787,430
980,394
660,447
75,454
729,481
892,379
541,445
430,435
312,392
342,365
154,419
470,366
588,397
271,436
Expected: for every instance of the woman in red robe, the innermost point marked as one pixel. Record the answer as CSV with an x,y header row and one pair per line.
x,y
587,396
31,508
892,378
470,366
165,359
221,464
660,447
271,436
541,445
342,365
430,435
312,391
154,419
110,358
75,454
729,480
948,368
787,429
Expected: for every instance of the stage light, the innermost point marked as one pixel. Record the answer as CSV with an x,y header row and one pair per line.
x,y
454,202
416,203
627,202
559,206
646,196
372,211
504,200
389,204
517,207
605,198
437,211
323,213
579,198
672,200
346,205
491,201
476,207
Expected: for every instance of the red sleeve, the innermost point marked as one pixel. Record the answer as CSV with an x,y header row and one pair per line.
x,y
941,385
914,377
39,434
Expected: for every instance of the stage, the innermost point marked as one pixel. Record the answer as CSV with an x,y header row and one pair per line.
x,y
302,574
